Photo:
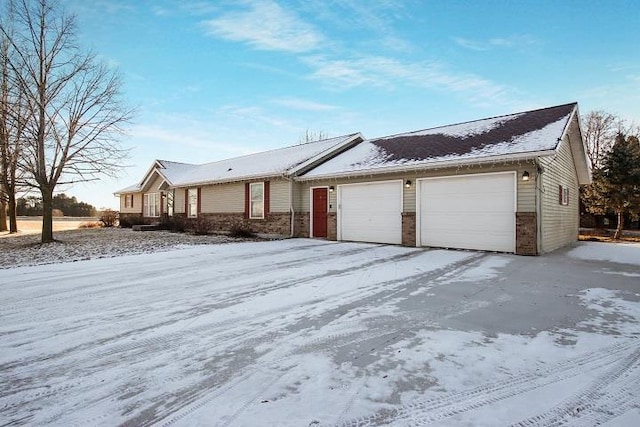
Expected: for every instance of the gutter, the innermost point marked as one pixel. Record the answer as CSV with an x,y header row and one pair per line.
x,y
434,165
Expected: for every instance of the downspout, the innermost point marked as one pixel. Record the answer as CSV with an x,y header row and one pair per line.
x,y
538,202
291,210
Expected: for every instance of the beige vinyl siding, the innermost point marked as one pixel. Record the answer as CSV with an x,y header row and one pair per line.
x,y
154,187
178,200
559,223
223,198
137,204
229,198
279,195
525,189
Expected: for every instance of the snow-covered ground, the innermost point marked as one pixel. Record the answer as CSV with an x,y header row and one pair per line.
x,y
308,333
83,244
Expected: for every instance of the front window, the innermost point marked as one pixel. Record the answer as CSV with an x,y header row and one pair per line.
x,y
151,206
257,200
168,203
192,202
128,201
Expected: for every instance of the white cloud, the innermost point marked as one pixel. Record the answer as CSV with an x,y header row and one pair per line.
x,y
303,104
390,73
266,26
497,42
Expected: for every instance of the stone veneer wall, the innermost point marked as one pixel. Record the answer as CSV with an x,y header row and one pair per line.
x,y
408,228
526,233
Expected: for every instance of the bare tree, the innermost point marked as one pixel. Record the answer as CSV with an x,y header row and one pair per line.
x,y
600,130
311,136
75,116
11,124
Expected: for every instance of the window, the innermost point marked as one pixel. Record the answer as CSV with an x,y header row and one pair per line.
x,y
192,202
168,203
563,195
256,200
128,200
151,205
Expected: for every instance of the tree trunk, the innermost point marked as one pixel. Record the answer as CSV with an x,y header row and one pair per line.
x,y
47,215
618,233
3,214
13,213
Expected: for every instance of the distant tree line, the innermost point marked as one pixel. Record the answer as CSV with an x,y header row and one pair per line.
x,y
64,205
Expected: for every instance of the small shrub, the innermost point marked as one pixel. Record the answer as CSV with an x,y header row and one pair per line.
x,y
93,224
128,221
57,213
241,231
175,224
109,217
201,226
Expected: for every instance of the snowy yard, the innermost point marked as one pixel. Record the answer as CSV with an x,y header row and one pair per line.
x,y
313,333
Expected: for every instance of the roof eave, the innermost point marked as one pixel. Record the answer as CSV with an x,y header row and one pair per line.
x,y
229,180
433,165
583,165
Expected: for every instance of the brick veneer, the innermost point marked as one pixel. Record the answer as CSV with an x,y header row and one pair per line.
x,y
273,223
408,228
301,224
526,233
332,226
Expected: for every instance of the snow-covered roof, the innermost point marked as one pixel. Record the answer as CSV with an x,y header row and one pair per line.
x,y
517,135
135,188
280,162
286,161
171,171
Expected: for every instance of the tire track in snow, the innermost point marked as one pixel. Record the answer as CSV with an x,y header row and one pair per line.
x,y
245,337
90,291
230,300
590,397
440,408
436,274
379,328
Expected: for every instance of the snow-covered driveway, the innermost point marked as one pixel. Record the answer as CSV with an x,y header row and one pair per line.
x,y
308,333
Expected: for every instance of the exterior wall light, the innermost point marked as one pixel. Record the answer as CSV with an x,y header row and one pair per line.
x,y
331,189
407,184
525,176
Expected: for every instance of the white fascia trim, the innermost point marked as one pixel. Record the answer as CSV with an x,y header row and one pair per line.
x,y
434,165
584,173
256,177
337,147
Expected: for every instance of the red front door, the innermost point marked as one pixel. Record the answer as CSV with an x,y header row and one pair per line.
x,y
320,204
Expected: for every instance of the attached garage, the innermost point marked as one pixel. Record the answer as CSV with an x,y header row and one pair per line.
x,y
370,212
468,212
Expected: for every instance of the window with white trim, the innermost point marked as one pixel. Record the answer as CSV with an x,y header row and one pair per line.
x,y
192,203
168,203
256,200
151,205
563,196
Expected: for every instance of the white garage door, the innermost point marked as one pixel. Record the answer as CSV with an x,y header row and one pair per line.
x,y
468,212
370,212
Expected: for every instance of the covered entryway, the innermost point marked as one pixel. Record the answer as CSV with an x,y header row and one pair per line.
x,y
370,212
319,200
468,212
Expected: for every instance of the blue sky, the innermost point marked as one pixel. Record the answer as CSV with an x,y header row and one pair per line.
x,y
217,79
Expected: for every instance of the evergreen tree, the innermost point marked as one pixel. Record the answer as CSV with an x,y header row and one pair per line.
x,y
616,185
